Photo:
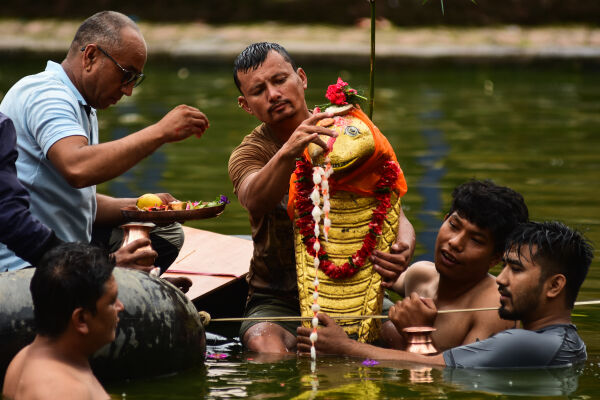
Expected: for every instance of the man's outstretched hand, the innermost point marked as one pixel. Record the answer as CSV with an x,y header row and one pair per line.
x,y
331,337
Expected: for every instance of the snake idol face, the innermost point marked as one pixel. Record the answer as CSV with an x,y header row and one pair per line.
x,y
352,147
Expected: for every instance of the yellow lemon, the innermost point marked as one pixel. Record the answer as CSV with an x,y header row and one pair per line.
x,y
148,200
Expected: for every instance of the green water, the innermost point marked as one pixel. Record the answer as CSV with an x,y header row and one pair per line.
x,y
533,128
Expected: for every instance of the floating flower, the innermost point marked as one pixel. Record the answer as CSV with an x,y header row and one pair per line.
x,y
216,356
369,363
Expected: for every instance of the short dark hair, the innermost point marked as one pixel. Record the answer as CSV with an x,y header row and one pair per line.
x,y
254,56
557,249
69,276
489,206
103,28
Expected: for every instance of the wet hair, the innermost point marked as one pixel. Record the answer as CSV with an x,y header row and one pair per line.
x,y
557,249
103,28
489,206
254,56
69,276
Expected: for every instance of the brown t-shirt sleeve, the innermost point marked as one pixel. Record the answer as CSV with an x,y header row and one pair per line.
x,y
250,156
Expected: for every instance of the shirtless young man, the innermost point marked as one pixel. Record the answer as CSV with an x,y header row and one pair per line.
x,y
544,267
272,89
76,312
469,243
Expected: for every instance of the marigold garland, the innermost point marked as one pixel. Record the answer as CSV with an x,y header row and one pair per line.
x,y
306,225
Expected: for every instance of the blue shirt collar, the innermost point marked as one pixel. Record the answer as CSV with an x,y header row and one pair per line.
x,y
62,75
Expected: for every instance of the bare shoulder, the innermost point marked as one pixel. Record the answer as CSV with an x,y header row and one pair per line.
x,y
420,277
58,386
486,323
485,294
50,379
13,374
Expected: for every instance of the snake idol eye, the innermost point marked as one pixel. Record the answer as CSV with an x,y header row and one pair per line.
x,y
351,131
353,145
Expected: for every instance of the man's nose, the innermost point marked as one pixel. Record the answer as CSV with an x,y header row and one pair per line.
x,y
127,90
457,241
501,278
120,306
273,93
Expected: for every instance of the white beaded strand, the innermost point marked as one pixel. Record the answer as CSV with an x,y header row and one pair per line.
x,y
325,192
315,196
321,188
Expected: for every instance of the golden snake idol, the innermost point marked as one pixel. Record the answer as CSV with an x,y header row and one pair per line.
x,y
363,192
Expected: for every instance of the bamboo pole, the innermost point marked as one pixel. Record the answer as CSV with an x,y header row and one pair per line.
x,y
372,70
363,317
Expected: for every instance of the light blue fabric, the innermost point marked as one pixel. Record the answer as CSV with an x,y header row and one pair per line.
x,y
46,108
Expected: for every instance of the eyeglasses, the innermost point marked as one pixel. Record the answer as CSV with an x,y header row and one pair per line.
x,y
129,77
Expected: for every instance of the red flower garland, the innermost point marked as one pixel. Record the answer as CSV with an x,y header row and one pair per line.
x,y
306,223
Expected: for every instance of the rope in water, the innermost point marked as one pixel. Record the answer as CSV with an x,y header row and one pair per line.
x,y
359,317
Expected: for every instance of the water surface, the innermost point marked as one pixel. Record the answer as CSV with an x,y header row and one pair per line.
x,y
533,128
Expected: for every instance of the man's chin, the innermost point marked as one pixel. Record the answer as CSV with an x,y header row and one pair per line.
x,y
283,114
508,315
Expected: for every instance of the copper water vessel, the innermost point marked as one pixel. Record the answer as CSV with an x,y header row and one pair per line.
x,y
138,230
418,339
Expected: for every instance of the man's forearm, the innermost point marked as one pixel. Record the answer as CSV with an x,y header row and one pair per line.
x,y
109,209
357,349
406,232
84,165
263,190
353,348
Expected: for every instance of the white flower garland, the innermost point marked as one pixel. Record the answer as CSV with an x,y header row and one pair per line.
x,y
320,179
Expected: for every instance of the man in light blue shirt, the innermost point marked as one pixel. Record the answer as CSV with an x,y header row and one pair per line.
x,y
60,160
40,124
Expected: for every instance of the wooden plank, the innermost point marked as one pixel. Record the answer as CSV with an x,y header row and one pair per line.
x,y
211,260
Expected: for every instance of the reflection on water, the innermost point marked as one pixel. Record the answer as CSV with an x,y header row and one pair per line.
x,y
243,375
432,159
533,128
544,382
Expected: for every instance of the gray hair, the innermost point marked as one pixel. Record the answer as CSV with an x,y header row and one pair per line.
x,y
103,28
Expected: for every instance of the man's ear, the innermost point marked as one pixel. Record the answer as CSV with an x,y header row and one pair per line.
x,y
303,77
79,320
555,285
89,57
244,105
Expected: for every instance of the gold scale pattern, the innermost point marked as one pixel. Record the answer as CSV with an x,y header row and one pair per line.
x,y
360,294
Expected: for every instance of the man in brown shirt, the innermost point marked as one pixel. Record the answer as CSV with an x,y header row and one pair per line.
x,y
272,89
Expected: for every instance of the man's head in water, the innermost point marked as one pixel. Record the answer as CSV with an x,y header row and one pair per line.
x,y
73,284
544,263
473,234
